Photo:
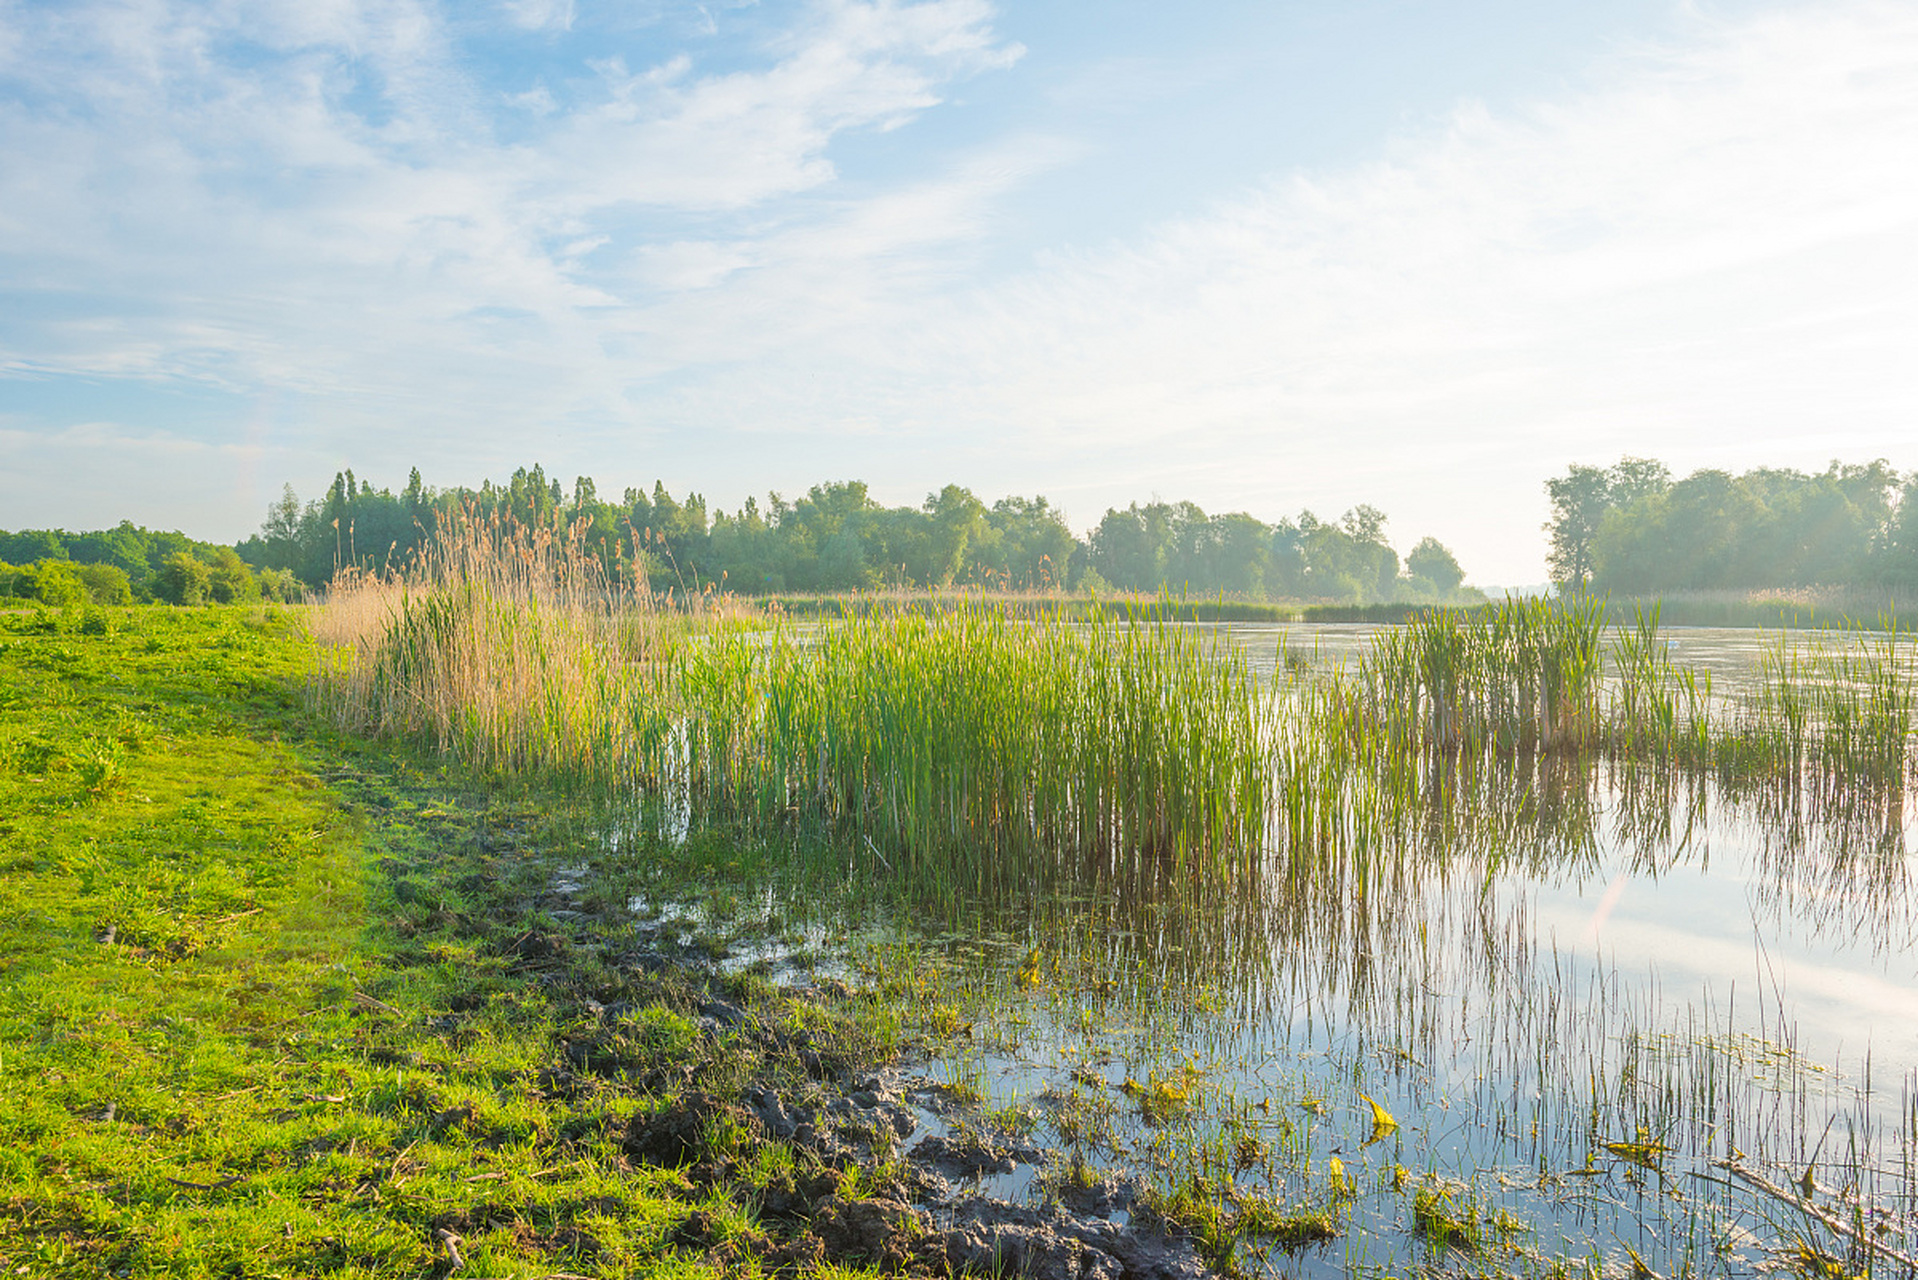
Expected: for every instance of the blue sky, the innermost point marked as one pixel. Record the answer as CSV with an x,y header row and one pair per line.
x,y
1263,256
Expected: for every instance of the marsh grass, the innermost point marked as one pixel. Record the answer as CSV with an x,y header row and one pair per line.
x,y
1831,709
963,745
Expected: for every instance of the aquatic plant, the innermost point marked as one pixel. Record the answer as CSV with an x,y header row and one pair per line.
x,y
961,743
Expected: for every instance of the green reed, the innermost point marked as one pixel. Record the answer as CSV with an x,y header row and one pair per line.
x,y
1535,676
967,743
1523,674
959,743
1658,708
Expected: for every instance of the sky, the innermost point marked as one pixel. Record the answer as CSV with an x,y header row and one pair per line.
x,y
1267,256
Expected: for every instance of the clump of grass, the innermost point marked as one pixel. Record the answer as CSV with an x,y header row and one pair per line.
x,y
1292,1228
1521,674
1531,677
1446,1220
1163,1098
509,649
1220,1218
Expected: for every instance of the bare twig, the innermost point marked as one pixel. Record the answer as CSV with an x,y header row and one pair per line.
x,y
221,1185
1803,1203
361,998
452,1243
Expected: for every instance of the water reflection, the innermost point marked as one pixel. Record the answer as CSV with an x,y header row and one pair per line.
x,y
1535,963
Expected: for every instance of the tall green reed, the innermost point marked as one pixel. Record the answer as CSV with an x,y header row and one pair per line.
x,y
976,746
959,742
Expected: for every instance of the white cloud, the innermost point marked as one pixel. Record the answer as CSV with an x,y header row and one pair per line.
x,y
211,218
541,15
1704,254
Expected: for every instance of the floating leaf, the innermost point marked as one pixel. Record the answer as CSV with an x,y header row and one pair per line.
x,y
1644,1153
1342,1185
1383,1122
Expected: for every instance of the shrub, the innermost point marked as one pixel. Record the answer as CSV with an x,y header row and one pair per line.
x,y
231,580
106,584
183,579
54,583
281,585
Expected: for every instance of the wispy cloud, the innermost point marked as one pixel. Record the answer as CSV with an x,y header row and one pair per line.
x,y
1703,254
541,15
660,261
323,198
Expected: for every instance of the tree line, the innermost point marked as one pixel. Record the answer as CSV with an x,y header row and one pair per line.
x,y
1632,529
129,564
837,537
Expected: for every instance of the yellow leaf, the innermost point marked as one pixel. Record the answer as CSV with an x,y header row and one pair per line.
x,y
1383,1121
1341,1185
1643,1153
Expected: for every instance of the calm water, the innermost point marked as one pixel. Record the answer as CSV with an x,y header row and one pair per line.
x,y
1580,989
1529,964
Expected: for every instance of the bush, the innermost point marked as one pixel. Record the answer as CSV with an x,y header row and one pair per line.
x,y
107,584
231,580
183,579
54,583
281,585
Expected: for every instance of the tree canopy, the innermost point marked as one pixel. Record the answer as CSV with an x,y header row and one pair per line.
x,y
1633,529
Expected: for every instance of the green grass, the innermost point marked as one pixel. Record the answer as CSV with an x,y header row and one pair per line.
x,y
276,1003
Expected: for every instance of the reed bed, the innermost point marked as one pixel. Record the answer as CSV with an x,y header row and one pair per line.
x,y
966,744
971,745
507,648
965,747
1834,709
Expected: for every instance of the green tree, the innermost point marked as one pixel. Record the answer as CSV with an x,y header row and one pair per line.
x,y
280,586
1580,499
54,583
1432,562
183,579
230,581
107,584
956,523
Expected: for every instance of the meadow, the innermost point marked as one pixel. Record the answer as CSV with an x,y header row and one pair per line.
x,y
280,1001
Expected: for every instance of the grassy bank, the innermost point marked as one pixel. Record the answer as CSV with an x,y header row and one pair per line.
x,y
1807,609
276,1003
